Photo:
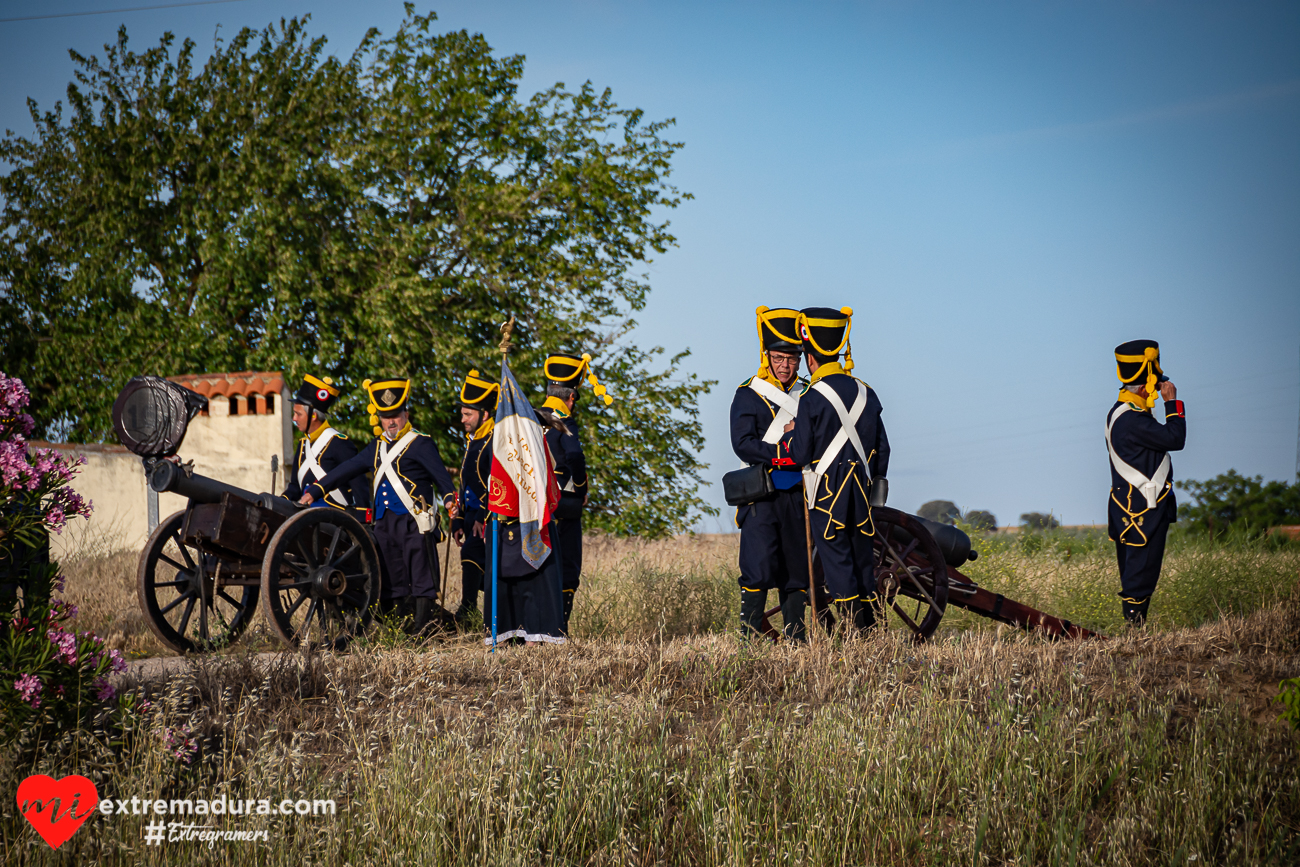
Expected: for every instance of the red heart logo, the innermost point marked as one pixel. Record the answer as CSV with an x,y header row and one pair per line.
x,y
52,806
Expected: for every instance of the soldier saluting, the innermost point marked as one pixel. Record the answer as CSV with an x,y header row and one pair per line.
x,y
323,448
839,440
407,469
773,545
478,405
1141,505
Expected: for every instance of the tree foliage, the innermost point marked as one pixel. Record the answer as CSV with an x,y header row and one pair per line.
x,y
940,511
1231,500
981,519
379,215
1039,521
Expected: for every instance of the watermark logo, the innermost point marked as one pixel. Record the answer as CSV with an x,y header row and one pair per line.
x,y
57,808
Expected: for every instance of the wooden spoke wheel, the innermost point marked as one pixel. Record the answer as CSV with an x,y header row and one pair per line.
x,y
320,578
180,593
911,575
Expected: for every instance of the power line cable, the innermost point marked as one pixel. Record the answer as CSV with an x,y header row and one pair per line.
x,y
115,11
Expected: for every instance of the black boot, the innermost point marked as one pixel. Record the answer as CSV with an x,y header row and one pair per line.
x,y
568,608
860,613
752,603
469,587
1135,610
792,610
423,611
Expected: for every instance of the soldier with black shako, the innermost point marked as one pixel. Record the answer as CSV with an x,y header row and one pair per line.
x,y
478,406
407,471
322,448
1141,505
839,440
563,379
773,544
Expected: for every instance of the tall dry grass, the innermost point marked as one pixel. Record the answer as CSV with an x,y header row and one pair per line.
x,y
984,747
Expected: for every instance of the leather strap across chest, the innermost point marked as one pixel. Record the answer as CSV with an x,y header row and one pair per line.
x,y
848,433
310,463
386,470
1149,488
787,408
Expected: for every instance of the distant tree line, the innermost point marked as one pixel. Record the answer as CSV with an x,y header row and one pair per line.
x,y
946,512
1231,501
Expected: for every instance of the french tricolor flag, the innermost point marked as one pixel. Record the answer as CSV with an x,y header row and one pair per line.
x,y
523,481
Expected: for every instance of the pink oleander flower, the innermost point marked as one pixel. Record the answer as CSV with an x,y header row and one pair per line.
x,y
104,691
29,687
61,610
116,661
66,644
180,743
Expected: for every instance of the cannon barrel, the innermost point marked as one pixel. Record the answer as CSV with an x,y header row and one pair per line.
x,y
955,545
167,477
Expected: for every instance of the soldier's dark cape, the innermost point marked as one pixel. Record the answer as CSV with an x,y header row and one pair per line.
x,y
840,514
338,450
1138,530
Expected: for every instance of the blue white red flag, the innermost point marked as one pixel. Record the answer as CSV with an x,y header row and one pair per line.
x,y
523,480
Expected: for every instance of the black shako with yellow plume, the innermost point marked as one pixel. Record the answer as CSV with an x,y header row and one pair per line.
x,y
1138,363
1142,504
322,448
566,370
824,331
769,511
387,397
839,439
317,393
479,393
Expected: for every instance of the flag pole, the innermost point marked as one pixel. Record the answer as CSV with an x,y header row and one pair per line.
x,y
504,346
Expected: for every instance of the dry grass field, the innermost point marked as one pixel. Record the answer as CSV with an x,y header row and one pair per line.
x,y
658,737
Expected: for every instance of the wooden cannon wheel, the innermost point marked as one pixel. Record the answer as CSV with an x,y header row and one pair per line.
x,y
911,575
175,582
320,578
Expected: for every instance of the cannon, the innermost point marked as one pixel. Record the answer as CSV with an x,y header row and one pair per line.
x,y
917,579
205,568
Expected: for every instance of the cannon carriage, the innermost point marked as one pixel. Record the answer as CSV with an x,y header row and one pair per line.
x,y
206,569
917,579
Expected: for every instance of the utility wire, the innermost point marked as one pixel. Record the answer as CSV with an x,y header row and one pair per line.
x,y
114,11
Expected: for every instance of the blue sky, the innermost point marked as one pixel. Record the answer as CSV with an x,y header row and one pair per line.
x,y
1002,192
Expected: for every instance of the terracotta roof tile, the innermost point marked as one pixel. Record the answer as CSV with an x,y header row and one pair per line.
x,y
241,384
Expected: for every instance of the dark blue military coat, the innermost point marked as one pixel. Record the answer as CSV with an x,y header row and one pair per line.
x,y
570,462
419,466
475,475
339,450
842,490
751,416
1142,443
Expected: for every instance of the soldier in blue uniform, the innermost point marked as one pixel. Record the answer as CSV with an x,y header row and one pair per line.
x,y
478,405
323,448
563,379
773,544
1141,505
839,439
407,470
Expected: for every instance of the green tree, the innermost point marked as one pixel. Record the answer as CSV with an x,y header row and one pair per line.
x,y
981,519
378,215
940,511
1232,500
1039,521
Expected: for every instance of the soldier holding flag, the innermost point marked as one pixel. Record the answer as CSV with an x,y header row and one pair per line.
x,y
526,601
